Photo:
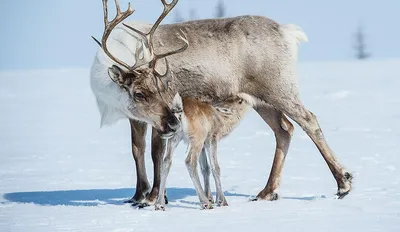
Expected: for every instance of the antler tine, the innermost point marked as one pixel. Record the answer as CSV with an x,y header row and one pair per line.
x,y
167,9
135,30
138,43
161,77
138,61
118,8
158,76
144,35
148,40
182,36
157,73
105,12
110,25
148,37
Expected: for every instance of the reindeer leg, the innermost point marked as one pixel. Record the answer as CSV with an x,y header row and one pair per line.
x,y
308,121
166,166
193,153
216,171
157,152
138,137
283,130
205,170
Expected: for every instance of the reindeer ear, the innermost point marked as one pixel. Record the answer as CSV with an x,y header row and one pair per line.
x,y
177,102
115,74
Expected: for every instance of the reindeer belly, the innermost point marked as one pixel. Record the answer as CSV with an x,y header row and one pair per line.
x,y
207,86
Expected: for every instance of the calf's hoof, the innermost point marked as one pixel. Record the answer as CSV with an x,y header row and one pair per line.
x,y
206,206
222,202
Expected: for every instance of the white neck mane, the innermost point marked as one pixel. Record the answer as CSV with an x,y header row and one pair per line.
x,y
114,103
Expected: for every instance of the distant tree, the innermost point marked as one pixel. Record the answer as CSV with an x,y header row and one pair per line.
x,y
220,9
360,45
193,14
178,17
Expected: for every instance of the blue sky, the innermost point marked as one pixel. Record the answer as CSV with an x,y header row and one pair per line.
x,y
53,34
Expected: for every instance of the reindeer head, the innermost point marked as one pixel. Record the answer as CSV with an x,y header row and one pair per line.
x,y
141,81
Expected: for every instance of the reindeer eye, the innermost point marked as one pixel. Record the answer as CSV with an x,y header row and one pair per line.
x,y
139,96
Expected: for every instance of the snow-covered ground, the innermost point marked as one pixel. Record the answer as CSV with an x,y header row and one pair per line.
x,y
60,172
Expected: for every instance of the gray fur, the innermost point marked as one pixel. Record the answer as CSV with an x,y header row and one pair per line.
x,y
250,55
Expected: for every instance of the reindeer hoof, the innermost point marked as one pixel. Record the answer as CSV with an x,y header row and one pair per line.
x,y
135,204
341,195
159,207
137,198
268,197
345,190
134,201
141,205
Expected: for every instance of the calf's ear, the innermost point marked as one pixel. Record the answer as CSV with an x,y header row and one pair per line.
x,y
177,104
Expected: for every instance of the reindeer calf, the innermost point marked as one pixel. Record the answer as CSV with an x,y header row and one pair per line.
x,y
202,126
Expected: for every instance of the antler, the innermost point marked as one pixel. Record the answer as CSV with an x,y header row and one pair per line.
x,y
182,37
148,37
110,25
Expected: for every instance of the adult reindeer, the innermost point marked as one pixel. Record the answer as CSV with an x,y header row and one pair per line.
x,y
248,54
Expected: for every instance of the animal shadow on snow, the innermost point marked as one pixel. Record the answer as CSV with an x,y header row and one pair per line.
x,y
93,197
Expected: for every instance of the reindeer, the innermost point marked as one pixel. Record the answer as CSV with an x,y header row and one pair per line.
x,y
253,55
202,126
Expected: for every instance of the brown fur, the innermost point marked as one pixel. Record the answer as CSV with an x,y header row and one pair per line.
x,y
203,125
225,57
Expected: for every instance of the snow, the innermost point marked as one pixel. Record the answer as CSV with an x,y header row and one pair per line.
x,y
60,172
